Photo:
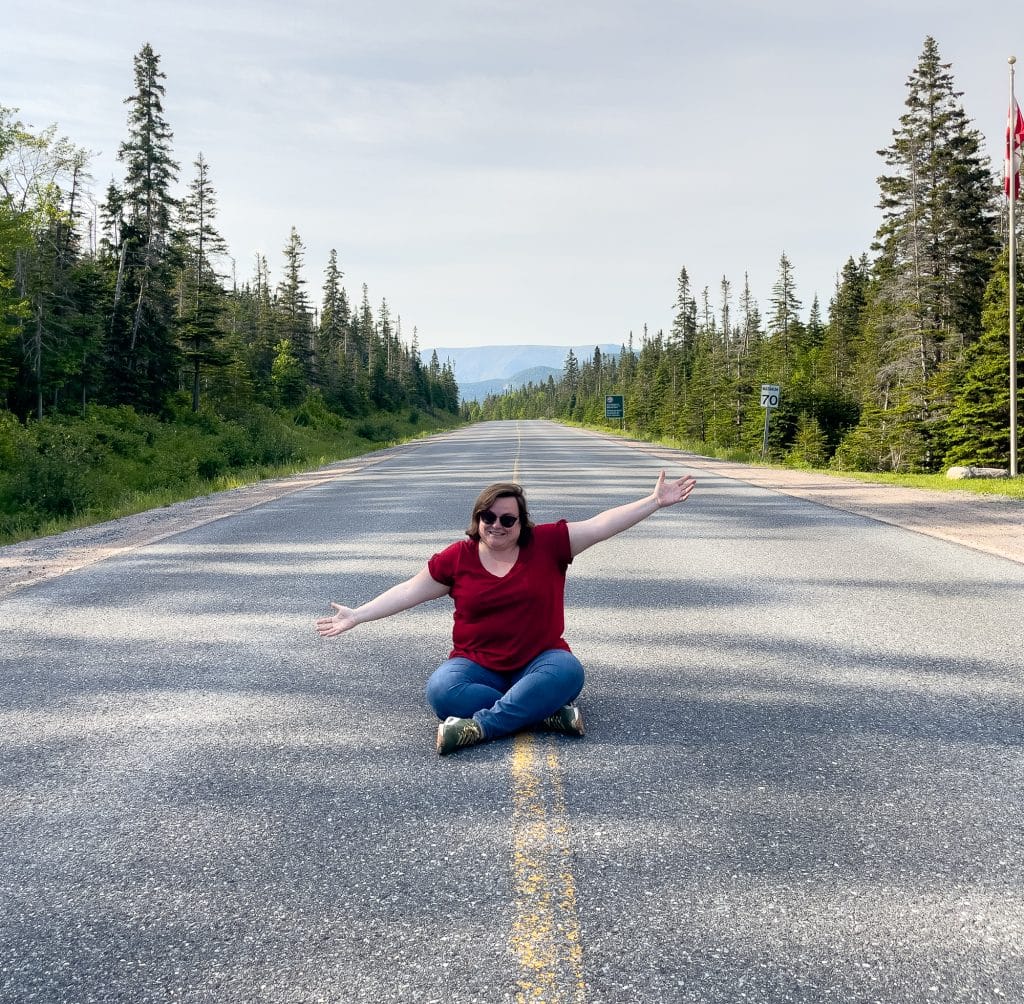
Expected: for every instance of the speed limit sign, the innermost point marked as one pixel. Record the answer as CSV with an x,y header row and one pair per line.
x,y
769,395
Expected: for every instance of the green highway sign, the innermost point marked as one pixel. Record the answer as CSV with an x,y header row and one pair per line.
x,y
614,406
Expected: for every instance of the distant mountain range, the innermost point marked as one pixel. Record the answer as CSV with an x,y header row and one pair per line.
x,y
491,369
479,389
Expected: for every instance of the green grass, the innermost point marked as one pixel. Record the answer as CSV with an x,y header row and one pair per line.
x,y
158,498
1006,487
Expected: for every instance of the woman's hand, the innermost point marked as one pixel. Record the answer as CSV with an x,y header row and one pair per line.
x,y
343,619
668,493
420,588
606,524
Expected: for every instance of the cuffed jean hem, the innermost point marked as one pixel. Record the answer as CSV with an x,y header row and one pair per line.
x,y
503,703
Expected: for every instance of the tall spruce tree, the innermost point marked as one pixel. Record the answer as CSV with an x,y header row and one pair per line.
x,y
334,311
142,355
381,391
684,324
935,249
570,380
748,352
200,296
335,370
784,326
295,321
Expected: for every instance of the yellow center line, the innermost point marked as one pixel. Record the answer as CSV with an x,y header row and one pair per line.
x,y
545,932
545,936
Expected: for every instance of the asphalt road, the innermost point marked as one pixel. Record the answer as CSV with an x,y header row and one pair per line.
x,y
802,778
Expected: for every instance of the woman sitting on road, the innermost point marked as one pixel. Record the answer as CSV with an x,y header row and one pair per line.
x,y
510,668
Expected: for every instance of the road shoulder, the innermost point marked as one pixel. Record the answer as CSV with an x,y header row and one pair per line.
x,y
989,523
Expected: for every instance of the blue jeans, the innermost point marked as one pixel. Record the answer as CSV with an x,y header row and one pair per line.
x,y
503,703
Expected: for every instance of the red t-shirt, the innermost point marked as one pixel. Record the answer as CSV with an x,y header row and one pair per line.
x,y
503,623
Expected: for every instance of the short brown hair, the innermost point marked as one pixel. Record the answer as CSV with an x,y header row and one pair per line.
x,y
487,498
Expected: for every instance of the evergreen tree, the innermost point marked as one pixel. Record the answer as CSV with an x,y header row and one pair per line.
x,y
784,328
750,324
294,317
843,333
597,362
364,329
255,323
414,378
934,249
979,421
814,332
149,168
749,340
381,338
287,374
571,380
684,325
334,312
200,296
335,374
646,386
449,388
810,447
142,355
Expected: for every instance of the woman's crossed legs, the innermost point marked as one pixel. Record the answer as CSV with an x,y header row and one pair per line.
x,y
503,703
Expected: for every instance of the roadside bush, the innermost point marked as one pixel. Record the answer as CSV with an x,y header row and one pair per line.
x,y
179,413
121,430
376,430
272,440
13,440
185,454
859,450
237,445
49,475
810,447
313,413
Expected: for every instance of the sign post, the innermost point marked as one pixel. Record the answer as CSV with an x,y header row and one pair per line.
x,y
769,400
614,407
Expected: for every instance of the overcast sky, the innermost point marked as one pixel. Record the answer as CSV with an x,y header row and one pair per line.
x,y
521,172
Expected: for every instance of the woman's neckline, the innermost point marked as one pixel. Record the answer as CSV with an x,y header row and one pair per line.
x,y
481,548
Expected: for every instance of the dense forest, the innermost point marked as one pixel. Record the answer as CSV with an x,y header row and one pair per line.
x,y
120,329
909,369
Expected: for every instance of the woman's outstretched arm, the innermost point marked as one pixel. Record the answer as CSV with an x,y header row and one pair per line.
x,y
606,524
420,588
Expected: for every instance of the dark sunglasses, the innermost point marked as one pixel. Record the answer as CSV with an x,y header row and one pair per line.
x,y
506,519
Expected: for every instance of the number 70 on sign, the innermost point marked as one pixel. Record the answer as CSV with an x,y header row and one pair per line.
x,y
769,395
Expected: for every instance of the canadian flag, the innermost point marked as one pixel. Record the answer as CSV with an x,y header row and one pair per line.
x,y
1014,139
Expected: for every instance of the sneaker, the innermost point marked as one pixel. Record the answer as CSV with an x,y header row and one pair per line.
x,y
567,720
454,733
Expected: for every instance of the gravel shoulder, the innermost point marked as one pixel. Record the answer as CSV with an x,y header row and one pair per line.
x,y
992,524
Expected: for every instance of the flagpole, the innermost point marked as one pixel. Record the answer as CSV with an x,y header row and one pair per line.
x,y
1011,180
